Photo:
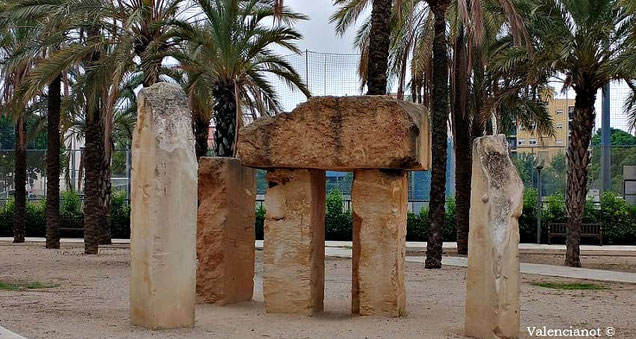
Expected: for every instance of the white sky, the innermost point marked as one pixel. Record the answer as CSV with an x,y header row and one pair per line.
x,y
318,34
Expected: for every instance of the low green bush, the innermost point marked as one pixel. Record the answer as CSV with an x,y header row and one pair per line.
x,y
119,215
618,218
259,224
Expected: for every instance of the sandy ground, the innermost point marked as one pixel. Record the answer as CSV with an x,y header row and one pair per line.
x,y
92,301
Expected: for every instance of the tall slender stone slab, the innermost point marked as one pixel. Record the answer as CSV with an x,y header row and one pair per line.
x,y
225,231
163,211
492,280
294,247
379,200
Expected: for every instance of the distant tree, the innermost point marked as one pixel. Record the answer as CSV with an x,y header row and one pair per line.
x,y
621,155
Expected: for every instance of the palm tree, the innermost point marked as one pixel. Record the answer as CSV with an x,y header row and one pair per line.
x,y
12,38
439,134
107,37
589,42
379,47
228,54
53,164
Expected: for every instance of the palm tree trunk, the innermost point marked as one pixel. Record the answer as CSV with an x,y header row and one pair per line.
x,y
578,160
93,155
461,124
201,133
439,136
104,183
104,197
225,118
53,165
379,47
20,181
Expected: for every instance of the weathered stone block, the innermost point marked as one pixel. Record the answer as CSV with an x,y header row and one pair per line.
x,y
225,232
379,200
163,211
492,280
346,133
294,247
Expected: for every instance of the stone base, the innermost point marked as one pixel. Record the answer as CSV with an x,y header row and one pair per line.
x,y
225,233
163,212
492,278
294,247
379,200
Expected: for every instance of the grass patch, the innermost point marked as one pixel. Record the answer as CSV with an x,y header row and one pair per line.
x,y
20,286
570,286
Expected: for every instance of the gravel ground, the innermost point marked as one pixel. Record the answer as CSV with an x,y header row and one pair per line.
x,y
92,301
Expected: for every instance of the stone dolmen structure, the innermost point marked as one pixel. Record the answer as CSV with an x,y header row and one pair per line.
x,y
376,137
163,211
492,280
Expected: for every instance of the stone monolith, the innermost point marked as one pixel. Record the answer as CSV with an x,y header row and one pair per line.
x,y
340,133
379,200
163,211
492,280
225,230
294,247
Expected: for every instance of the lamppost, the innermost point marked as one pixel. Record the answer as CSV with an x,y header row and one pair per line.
x,y
539,200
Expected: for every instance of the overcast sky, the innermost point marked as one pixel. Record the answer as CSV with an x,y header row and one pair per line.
x,y
318,34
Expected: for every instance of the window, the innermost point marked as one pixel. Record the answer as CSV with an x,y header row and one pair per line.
x,y
521,142
570,112
559,111
533,141
559,126
559,141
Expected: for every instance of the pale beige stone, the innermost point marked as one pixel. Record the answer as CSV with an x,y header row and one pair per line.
x,y
379,200
225,230
294,247
492,280
163,211
340,133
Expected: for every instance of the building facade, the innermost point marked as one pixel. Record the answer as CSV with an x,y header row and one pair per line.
x,y
545,147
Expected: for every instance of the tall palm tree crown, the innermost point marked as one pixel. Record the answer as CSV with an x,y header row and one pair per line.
x,y
588,41
229,51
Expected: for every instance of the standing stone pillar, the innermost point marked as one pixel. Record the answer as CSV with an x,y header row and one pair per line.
x,y
225,232
379,200
294,247
492,280
163,211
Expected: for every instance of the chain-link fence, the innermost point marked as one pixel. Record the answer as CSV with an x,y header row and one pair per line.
x,y
72,173
324,74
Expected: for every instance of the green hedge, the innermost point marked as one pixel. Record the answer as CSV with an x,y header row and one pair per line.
x,y
616,215
618,218
71,216
339,223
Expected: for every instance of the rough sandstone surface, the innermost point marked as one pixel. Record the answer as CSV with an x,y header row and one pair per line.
x,y
340,133
379,200
294,247
225,230
492,279
163,211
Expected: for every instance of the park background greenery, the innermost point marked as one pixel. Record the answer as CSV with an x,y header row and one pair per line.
x,y
618,218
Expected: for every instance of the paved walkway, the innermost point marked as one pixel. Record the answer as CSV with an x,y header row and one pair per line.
x,y
411,245
343,249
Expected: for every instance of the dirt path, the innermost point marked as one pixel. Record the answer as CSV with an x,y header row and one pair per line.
x,y
92,301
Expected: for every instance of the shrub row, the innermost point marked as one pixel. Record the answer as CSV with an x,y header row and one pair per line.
x,y
71,216
618,218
